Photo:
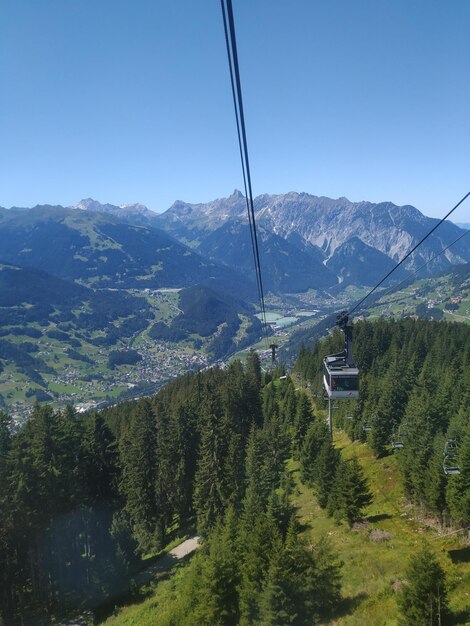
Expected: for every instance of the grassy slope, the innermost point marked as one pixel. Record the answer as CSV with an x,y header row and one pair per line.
x,y
371,568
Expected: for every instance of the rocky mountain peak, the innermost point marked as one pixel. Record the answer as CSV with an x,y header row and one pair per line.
x,y
324,224
123,210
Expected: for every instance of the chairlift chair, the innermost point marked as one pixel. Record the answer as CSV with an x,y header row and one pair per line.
x,y
451,448
449,464
397,439
449,468
366,427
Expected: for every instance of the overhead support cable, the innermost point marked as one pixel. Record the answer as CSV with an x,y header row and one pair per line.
x,y
408,254
231,43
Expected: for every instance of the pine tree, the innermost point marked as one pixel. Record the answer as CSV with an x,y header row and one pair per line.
x,y
137,451
289,402
181,452
278,599
317,434
436,481
210,484
325,471
257,537
217,593
302,421
253,388
276,446
280,510
423,599
5,439
100,462
350,493
379,437
314,574
415,457
458,487
255,483
253,368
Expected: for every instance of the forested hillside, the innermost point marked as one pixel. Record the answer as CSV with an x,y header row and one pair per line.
x,y
415,391
83,499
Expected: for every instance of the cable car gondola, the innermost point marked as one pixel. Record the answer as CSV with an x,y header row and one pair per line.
x,y
341,375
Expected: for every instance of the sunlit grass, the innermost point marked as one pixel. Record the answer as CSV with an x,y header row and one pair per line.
x,y
371,570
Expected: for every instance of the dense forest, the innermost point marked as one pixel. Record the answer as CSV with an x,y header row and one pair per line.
x,y
82,499
85,498
415,395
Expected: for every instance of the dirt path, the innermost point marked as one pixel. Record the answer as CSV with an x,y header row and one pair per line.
x,y
167,561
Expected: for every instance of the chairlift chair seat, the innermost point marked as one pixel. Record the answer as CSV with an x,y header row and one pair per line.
x,y
451,470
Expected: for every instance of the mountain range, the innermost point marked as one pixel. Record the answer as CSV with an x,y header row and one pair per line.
x,y
306,242
90,289
102,251
320,227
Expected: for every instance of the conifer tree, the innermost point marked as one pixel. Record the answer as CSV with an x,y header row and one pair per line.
x,y
314,575
423,599
278,599
280,510
458,487
289,403
5,439
379,437
181,452
256,539
253,369
276,447
317,434
253,387
325,471
350,493
302,421
436,481
254,480
217,593
210,484
100,460
137,453
415,456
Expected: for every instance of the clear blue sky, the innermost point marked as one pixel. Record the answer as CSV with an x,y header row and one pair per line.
x,y
129,100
